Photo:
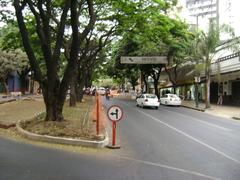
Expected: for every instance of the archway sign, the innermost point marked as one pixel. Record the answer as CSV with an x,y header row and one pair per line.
x,y
143,60
115,114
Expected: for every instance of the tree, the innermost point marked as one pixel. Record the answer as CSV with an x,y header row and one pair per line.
x,y
12,61
206,48
156,35
10,39
178,43
52,19
120,72
60,23
154,72
92,54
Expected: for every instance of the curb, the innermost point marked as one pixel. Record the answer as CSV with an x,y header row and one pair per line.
x,y
197,109
58,140
236,118
10,100
4,126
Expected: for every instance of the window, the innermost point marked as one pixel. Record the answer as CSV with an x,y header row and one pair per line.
x,y
152,96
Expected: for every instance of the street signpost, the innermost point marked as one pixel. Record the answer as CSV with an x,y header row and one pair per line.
x,y
144,60
114,114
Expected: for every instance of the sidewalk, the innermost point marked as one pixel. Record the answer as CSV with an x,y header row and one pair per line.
x,y
223,111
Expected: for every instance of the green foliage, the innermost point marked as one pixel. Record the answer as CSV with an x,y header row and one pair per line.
x,y
207,45
10,39
152,34
12,61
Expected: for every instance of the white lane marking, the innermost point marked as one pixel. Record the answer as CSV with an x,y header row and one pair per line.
x,y
167,167
191,137
201,121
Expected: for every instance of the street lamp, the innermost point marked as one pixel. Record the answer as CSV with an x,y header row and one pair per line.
x,y
197,80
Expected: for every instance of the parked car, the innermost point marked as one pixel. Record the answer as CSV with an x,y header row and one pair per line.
x,y
171,99
87,91
148,100
93,91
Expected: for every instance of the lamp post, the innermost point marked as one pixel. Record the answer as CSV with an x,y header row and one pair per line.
x,y
197,80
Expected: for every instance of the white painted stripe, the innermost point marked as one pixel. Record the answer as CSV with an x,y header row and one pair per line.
x,y
191,137
201,121
168,167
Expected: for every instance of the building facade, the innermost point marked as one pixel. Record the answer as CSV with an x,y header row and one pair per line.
x,y
225,75
225,79
201,12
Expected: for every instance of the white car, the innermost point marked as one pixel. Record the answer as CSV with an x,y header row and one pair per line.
x,y
148,100
171,99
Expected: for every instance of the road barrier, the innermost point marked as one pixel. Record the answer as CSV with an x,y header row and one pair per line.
x,y
99,117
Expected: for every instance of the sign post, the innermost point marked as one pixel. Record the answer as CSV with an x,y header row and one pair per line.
x,y
114,114
143,60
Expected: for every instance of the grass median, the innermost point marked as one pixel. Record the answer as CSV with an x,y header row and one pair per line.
x,y
78,121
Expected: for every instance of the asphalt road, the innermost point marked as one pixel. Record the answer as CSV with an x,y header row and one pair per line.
x,y
170,143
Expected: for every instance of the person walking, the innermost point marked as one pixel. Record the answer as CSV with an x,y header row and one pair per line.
x,y
220,99
220,94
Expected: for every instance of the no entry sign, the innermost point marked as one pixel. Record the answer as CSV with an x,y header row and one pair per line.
x,y
115,113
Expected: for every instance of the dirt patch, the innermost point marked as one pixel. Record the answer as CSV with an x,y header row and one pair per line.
x,y
78,122
11,112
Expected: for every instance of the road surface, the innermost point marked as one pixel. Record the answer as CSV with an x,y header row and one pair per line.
x,y
171,143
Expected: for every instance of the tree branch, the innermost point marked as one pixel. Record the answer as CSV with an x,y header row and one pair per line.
x,y
26,42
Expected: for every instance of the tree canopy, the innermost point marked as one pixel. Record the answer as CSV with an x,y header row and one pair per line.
x,y
154,34
63,38
12,61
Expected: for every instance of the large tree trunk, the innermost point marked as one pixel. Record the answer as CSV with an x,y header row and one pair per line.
x,y
73,96
156,77
88,77
145,82
156,88
23,82
172,74
54,92
80,87
134,83
53,102
53,110
6,87
174,87
81,93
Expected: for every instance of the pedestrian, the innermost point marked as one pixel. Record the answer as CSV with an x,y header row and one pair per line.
x,y
220,99
220,94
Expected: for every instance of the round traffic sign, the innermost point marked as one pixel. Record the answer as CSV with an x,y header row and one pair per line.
x,y
115,113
